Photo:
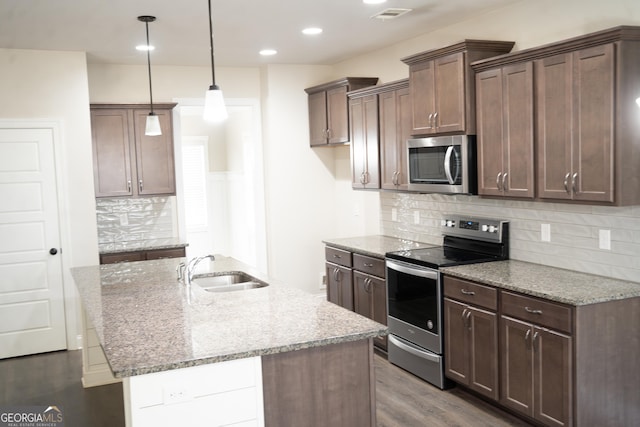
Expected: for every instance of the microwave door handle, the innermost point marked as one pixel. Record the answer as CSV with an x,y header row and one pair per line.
x,y
447,164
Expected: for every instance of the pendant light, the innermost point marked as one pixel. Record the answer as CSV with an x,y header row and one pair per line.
x,y
152,127
214,108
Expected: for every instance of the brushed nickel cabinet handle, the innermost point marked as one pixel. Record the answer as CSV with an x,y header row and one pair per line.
x,y
526,338
504,181
532,311
435,120
337,256
468,317
466,292
129,186
566,183
574,179
366,264
140,185
431,120
464,317
498,180
534,341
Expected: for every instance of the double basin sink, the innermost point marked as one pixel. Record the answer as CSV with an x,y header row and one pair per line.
x,y
227,282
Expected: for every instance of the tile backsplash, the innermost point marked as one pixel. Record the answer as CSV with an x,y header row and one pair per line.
x,y
135,219
575,229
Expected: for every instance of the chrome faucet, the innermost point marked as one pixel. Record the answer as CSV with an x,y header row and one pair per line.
x,y
191,266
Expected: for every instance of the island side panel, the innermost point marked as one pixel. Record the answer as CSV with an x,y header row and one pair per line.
x,y
333,385
607,364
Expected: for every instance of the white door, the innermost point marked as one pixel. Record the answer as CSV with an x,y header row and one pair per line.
x,y
32,316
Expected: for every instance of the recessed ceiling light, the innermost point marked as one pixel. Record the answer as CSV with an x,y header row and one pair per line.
x,y
373,1
144,47
312,31
268,52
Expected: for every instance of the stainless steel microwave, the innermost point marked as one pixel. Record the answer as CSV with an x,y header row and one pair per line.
x,y
443,164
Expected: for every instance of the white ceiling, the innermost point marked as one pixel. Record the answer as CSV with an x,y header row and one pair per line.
x,y
108,30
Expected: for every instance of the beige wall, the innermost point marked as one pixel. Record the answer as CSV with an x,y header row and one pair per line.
x,y
52,86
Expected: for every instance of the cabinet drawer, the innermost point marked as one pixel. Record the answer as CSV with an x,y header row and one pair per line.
x,y
473,293
165,253
545,313
121,257
369,265
338,256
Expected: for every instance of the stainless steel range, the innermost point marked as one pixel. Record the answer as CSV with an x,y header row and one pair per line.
x,y
414,289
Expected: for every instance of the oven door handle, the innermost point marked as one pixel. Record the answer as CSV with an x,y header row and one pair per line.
x,y
422,272
423,354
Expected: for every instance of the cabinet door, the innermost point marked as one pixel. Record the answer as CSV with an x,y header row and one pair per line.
x,y
518,130
449,87
421,86
554,94
365,155
389,154
339,286
318,118
112,143
483,352
394,121
456,354
516,388
593,115
337,115
362,295
490,125
552,377
154,155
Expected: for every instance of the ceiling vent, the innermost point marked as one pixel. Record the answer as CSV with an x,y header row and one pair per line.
x,y
391,13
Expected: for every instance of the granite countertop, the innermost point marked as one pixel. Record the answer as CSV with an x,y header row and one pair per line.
x,y
147,322
555,284
375,245
140,245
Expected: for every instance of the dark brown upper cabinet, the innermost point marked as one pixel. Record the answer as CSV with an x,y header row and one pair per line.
x,y
504,112
442,86
587,121
126,162
329,110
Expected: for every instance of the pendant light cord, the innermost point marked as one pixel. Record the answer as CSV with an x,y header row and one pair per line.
x,y
149,66
213,73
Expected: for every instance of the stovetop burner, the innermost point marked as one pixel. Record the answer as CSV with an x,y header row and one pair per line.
x,y
466,241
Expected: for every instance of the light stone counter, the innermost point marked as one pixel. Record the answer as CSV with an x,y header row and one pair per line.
x,y
375,245
147,322
141,245
556,284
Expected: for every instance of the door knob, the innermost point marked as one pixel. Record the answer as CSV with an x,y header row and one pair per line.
x,y
53,251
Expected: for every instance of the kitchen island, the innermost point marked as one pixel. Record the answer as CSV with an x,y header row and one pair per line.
x,y
275,353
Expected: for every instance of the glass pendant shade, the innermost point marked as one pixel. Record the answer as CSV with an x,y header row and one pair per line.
x,y
153,125
214,108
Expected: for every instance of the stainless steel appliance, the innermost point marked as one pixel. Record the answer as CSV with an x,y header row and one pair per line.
x,y
414,289
442,164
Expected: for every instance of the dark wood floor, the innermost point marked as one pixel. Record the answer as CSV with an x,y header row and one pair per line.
x,y
402,399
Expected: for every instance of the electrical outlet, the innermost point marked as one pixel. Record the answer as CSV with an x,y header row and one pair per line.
x,y
124,219
416,217
605,239
323,281
545,232
394,214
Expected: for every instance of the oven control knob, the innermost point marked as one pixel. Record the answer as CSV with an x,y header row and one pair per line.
x,y
429,324
485,227
493,229
449,223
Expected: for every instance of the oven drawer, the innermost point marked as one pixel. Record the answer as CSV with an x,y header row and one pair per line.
x,y
545,313
472,293
369,265
338,256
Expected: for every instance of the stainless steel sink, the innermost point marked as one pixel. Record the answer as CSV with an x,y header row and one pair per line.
x,y
228,282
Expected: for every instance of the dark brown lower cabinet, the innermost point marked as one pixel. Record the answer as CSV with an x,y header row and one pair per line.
x,y
333,385
142,255
370,300
339,285
537,372
471,347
